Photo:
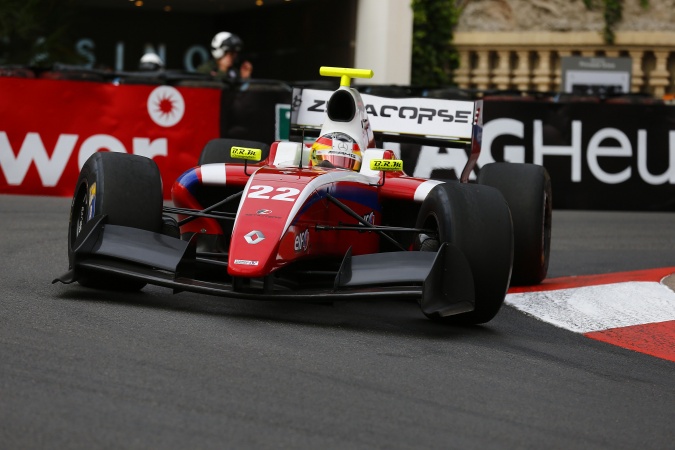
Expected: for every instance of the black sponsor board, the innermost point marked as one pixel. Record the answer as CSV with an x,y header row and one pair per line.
x,y
604,156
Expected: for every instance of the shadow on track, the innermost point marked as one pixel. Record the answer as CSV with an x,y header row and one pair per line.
x,y
402,318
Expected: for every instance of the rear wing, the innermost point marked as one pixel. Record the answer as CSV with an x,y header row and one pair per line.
x,y
432,119
422,121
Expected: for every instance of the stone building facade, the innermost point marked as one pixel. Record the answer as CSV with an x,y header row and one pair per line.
x,y
518,44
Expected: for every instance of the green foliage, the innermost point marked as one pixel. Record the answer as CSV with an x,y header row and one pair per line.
x,y
433,57
35,32
613,13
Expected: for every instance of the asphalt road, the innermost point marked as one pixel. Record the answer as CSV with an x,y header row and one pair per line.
x,y
88,369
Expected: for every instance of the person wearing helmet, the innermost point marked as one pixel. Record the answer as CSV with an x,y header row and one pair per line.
x,y
337,150
225,49
150,62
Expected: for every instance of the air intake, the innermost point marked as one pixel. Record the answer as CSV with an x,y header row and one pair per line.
x,y
341,107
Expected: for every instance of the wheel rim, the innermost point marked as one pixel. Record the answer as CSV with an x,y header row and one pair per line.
x,y
430,242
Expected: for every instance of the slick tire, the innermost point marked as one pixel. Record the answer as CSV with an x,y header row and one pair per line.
x,y
126,188
218,150
475,219
527,190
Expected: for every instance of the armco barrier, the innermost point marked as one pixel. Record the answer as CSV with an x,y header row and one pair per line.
x,y
601,155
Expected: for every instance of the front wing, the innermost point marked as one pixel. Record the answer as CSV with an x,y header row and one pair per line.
x,y
441,281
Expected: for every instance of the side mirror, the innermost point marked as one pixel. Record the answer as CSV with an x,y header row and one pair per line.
x,y
386,165
247,154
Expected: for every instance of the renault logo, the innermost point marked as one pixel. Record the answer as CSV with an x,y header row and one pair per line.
x,y
254,237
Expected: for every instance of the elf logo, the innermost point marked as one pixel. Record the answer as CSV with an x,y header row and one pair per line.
x,y
301,241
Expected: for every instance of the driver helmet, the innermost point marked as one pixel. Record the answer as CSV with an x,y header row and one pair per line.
x,y
224,42
338,149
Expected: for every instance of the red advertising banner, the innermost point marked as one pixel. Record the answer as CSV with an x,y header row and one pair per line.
x,y
48,129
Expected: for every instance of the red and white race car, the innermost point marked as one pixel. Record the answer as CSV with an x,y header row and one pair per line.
x,y
328,219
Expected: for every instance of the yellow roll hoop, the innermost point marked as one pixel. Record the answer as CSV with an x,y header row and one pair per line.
x,y
345,74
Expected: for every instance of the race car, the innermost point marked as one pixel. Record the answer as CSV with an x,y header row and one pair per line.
x,y
329,215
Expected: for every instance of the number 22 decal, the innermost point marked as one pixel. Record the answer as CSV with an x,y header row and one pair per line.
x,y
285,194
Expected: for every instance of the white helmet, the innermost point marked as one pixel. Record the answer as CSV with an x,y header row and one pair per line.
x,y
151,61
224,42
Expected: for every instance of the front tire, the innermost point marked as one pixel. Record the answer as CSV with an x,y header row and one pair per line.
x,y
126,188
475,219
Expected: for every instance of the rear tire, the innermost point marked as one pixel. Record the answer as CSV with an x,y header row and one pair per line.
x,y
218,150
128,189
475,219
527,190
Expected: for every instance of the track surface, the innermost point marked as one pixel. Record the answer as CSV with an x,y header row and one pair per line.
x,y
89,369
